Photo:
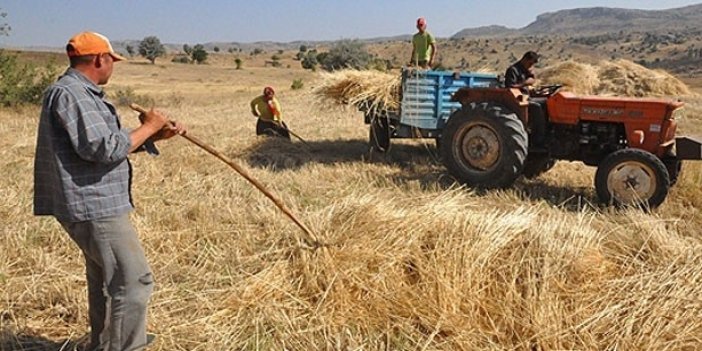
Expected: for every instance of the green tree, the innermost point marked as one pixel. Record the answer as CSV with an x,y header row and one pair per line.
x,y
151,48
303,48
199,54
216,49
187,49
238,62
23,83
346,54
130,50
309,61
4,27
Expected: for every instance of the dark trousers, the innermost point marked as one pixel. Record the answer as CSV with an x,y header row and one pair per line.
x,y
537,122
271,128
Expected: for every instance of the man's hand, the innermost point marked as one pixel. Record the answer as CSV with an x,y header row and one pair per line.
x,y
172,129
153,120
168,129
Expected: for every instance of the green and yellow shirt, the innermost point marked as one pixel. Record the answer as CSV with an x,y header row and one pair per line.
x,y
421,42
260,107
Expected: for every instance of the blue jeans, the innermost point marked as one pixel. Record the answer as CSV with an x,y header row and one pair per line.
x,y
119,282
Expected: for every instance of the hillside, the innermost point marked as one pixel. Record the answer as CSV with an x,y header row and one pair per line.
x,y
600,20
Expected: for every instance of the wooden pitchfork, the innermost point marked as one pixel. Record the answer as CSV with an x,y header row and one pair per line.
x,y
310,239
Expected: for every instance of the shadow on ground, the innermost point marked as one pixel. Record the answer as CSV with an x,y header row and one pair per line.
x,y
417,162
279,154
25,342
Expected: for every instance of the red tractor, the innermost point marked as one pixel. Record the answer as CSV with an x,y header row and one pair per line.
x,y
488,141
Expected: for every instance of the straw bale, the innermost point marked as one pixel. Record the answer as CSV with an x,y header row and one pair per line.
x,y
626,78
579,78
615,78
371,90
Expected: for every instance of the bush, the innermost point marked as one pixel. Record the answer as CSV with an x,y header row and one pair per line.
x,y
126,96
346,54
181,59
23,83
199,54
297,84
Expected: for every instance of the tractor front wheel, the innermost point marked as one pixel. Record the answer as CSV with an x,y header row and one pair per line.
x,y
484,145
632,177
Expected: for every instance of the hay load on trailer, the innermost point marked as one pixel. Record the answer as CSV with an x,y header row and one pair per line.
x,y
416,104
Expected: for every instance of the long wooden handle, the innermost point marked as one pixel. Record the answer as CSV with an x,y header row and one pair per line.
x,y
311,238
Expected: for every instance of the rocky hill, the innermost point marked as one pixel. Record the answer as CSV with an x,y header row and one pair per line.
x,y
600,20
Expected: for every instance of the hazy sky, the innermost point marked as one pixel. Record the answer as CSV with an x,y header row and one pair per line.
x,y
52,22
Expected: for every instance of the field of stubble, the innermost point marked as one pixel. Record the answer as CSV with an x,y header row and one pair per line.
x,y
413,261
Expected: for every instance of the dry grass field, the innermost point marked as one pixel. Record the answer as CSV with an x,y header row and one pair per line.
x,y
413,261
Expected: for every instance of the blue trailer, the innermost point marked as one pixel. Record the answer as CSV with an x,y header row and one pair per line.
x,y
425,105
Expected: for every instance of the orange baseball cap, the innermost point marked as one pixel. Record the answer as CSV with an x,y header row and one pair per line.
x,y
91,43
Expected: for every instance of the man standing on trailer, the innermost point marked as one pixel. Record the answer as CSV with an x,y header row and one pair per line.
x,y
423,46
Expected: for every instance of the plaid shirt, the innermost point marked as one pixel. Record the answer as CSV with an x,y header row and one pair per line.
x,y
81,170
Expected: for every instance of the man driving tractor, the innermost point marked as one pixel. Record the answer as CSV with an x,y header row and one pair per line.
x,y
521,76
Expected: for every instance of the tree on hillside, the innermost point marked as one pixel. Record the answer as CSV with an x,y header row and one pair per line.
x,y
199,54
187,49
216,49
4,27
238,62
151,48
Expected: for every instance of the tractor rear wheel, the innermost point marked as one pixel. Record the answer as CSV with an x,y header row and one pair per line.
x,y
484,145
379,134
632,177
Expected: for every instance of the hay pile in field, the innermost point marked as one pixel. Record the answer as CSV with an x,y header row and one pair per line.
x,y
617,78
369,90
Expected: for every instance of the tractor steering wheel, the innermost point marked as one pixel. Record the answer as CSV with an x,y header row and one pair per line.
x,y
547,90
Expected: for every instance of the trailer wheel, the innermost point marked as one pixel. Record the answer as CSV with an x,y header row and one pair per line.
x,y
632,177
379,134
484,145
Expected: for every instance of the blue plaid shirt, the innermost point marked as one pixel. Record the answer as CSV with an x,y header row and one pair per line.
x,y
81,170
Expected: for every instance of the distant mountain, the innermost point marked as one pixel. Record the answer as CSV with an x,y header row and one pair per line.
x,y
599,20
487,31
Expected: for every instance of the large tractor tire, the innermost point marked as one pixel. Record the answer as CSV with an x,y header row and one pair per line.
x,y
632,177
535,166
379,134
484,145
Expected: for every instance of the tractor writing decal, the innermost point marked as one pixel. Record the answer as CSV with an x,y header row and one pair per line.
x,y
602,111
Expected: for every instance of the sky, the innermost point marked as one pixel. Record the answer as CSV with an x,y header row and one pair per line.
x,y
51,22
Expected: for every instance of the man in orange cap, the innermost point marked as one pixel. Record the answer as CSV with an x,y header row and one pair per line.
x,y
270,116
423,46
82,177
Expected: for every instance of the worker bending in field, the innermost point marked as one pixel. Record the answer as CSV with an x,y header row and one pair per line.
x,y
270,116
423,46
521,76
